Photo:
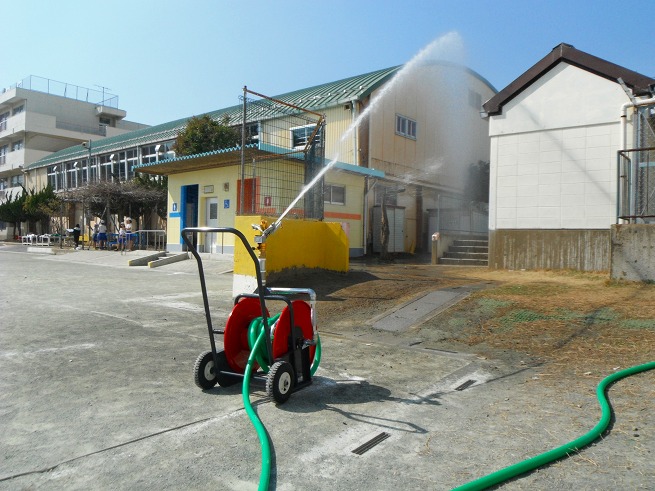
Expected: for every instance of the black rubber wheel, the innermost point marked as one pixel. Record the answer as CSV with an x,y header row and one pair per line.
x,y
204,374
225,380
280,381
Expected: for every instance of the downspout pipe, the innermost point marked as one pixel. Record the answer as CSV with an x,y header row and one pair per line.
x,y
623,142
355,113
368,188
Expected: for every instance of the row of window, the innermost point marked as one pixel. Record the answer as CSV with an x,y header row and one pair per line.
x,y
11,182
117,166
5,116
17,145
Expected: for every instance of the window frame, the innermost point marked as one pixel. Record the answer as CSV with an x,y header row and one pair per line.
x,y
301,146
406,127
328,194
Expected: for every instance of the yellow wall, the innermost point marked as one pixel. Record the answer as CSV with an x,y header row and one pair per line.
x,y
217,178
351,212
296,244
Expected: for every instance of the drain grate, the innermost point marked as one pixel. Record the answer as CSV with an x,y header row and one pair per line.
x,y
465,385
371,443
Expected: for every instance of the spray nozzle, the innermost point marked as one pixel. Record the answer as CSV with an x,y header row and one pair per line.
x,y
270,229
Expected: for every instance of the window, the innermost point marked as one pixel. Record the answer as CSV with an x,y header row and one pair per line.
x,y
55,177
106,168
3,183
405,127
18,109
17,145
126,160
72,174
157,152
300,136
334,194
3,154
16,180
252,133
3,121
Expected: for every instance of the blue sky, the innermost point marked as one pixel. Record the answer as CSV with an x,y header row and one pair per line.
x,y
170,59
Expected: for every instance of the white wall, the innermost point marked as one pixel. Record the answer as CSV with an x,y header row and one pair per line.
x,y
553,153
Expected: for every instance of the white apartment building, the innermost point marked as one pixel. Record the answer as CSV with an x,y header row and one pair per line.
x,y
39,116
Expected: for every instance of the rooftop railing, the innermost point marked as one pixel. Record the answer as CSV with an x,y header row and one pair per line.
x,y
64,89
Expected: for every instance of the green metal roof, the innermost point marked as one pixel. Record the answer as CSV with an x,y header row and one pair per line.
x,y
312,98
317,97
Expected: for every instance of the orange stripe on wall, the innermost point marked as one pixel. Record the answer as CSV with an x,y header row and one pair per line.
x,y
345,216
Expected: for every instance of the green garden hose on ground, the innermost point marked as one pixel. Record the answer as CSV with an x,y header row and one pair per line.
x,y
557,453
265,475
257,354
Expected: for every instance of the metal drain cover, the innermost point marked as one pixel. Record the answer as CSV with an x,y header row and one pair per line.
x,y
371,443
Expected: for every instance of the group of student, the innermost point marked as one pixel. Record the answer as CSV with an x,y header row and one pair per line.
x,y
125,239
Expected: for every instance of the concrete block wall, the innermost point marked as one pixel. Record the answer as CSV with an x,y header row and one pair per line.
x,y
582,250
633,252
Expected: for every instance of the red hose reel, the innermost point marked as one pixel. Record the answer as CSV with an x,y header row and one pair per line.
x,y
235,337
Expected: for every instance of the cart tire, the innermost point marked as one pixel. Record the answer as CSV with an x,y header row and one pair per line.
x,y
280,381
225,380
204,374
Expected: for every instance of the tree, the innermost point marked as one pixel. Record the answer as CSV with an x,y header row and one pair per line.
x,y
40,206
134,198
11,211
204,134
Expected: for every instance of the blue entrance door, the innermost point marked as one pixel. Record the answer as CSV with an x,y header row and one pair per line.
x,y
189,211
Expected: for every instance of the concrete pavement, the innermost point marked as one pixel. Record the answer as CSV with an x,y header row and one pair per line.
x,y
97,392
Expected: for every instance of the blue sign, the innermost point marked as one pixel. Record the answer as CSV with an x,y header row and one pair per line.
x,y
226,203
174,206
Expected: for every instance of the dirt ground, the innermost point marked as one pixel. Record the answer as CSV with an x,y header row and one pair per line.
x,y
564,325
570,323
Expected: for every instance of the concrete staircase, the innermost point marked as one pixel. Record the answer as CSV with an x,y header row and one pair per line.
x,y
158,259
467,252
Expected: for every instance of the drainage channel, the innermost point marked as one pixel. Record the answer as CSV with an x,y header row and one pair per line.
x,y
362,449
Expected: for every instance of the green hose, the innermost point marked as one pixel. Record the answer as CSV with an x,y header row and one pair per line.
x,y
265,475
257,354
557,453
254,329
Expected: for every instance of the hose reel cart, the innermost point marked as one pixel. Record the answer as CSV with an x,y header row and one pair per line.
x,y
290,352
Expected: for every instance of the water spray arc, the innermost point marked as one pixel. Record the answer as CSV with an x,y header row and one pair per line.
x,y
447,47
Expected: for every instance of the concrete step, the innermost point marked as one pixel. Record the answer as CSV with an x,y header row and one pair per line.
x,y
466,255
144,260
168,259
463,262
467,252
469,248
471,242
